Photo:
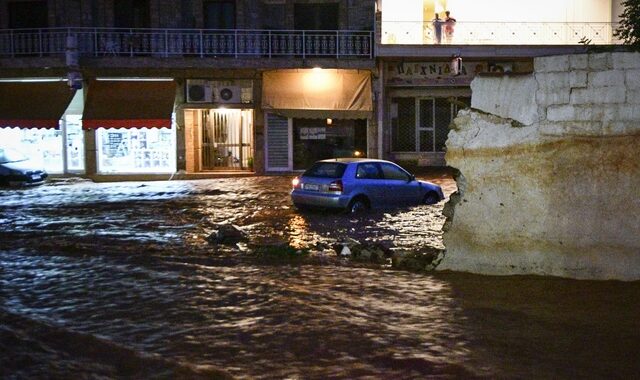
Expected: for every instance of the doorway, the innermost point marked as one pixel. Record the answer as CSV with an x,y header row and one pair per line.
x,y
421,124
226,139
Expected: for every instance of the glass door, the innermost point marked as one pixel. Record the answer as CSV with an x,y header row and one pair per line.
x,y
227,139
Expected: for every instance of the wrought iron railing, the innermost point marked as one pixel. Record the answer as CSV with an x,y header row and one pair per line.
x,y
188,42
498,33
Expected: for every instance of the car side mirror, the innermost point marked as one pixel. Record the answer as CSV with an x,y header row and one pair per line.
x,y
412,178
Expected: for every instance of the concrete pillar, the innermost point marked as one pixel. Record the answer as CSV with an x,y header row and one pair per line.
x,y
90,153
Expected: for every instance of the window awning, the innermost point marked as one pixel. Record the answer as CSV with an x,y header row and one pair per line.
x,y
33,104
129,104
318,93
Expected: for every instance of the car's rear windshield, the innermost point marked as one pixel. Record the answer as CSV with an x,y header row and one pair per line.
x,y
326,170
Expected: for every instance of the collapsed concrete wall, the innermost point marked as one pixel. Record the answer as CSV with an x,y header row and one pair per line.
x,y
550,172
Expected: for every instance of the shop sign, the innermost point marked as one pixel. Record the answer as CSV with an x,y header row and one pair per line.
x,y
432,73
313,133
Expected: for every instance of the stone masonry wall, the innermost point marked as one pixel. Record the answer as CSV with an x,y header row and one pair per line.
x,y
549,171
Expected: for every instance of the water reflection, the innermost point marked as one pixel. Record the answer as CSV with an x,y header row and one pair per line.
x,y
309,321
88,270
187,212
298,232
274,321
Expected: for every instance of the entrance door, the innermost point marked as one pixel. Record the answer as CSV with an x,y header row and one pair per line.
x,y
227,139
426,125
422,124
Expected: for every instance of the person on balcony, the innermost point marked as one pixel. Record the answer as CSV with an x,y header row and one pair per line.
x,y
437,29
449,23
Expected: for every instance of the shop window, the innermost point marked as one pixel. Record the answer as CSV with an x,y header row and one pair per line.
x,y
227,139
43,146
219,14
403,112
316,16
28,14
145,150
426,141
315,140
434,116
74,143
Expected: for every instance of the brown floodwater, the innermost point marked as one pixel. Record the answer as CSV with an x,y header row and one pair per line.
x,y
118,280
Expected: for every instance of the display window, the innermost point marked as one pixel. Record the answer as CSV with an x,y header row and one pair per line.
x,y
43,146
220,139
318,139
74,143
143,150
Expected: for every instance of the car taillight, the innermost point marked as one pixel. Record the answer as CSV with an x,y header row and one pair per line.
x,y
336,186
295,183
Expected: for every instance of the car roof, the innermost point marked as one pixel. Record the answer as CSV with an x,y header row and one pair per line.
x,y
348,160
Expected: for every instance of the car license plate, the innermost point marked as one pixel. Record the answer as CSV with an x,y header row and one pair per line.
x,y
35,177
311,186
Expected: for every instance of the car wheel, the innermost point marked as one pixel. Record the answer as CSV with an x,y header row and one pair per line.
x,y
431,198
358,206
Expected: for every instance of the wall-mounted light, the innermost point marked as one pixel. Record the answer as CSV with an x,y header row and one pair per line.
x,y
329,121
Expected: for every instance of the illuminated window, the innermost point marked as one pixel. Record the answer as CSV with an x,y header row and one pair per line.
x,y
144,150
43,146
74,143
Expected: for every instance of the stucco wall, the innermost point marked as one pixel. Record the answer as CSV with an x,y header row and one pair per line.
x,y
550,172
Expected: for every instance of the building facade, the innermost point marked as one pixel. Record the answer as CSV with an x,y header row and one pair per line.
x,y
428,58
151,87
117,89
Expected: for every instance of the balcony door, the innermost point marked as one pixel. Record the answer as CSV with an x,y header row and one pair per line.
x,y
27,14
219,14
131,14
316,16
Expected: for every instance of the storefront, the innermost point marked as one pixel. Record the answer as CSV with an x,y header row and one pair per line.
x,y
423,98
134,125
41,118
314,114
219,125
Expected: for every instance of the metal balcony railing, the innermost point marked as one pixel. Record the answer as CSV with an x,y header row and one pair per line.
x,y
236,43
497,33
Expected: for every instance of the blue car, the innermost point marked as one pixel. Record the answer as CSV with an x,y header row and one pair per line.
x,y
356,184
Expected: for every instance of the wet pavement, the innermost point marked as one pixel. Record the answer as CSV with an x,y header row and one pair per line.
x,y
119,280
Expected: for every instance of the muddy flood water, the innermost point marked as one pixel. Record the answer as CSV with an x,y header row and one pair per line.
x,y
121,280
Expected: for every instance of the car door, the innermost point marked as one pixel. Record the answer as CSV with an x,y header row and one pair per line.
x,y
401,188
369,181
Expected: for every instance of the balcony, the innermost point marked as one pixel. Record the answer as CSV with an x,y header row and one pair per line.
x,y
498,33
203,43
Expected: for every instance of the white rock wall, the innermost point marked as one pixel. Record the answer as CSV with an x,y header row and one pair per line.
x,y
550,171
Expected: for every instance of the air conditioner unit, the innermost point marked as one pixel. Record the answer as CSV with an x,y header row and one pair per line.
x,y
227,94
199,91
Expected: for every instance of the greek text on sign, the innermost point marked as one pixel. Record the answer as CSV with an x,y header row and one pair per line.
x,y
432,73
